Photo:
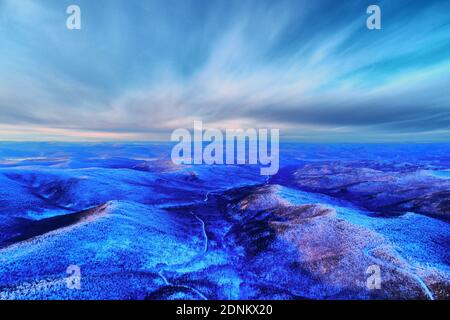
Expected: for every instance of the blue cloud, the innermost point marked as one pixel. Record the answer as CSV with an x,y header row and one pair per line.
x,y
139,69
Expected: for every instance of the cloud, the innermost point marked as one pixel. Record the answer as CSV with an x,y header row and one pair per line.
x,y
311,69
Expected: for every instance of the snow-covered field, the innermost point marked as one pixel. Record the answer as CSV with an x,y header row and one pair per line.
x,y
139,227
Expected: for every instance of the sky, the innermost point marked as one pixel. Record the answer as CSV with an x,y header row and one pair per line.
x,y
139,69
